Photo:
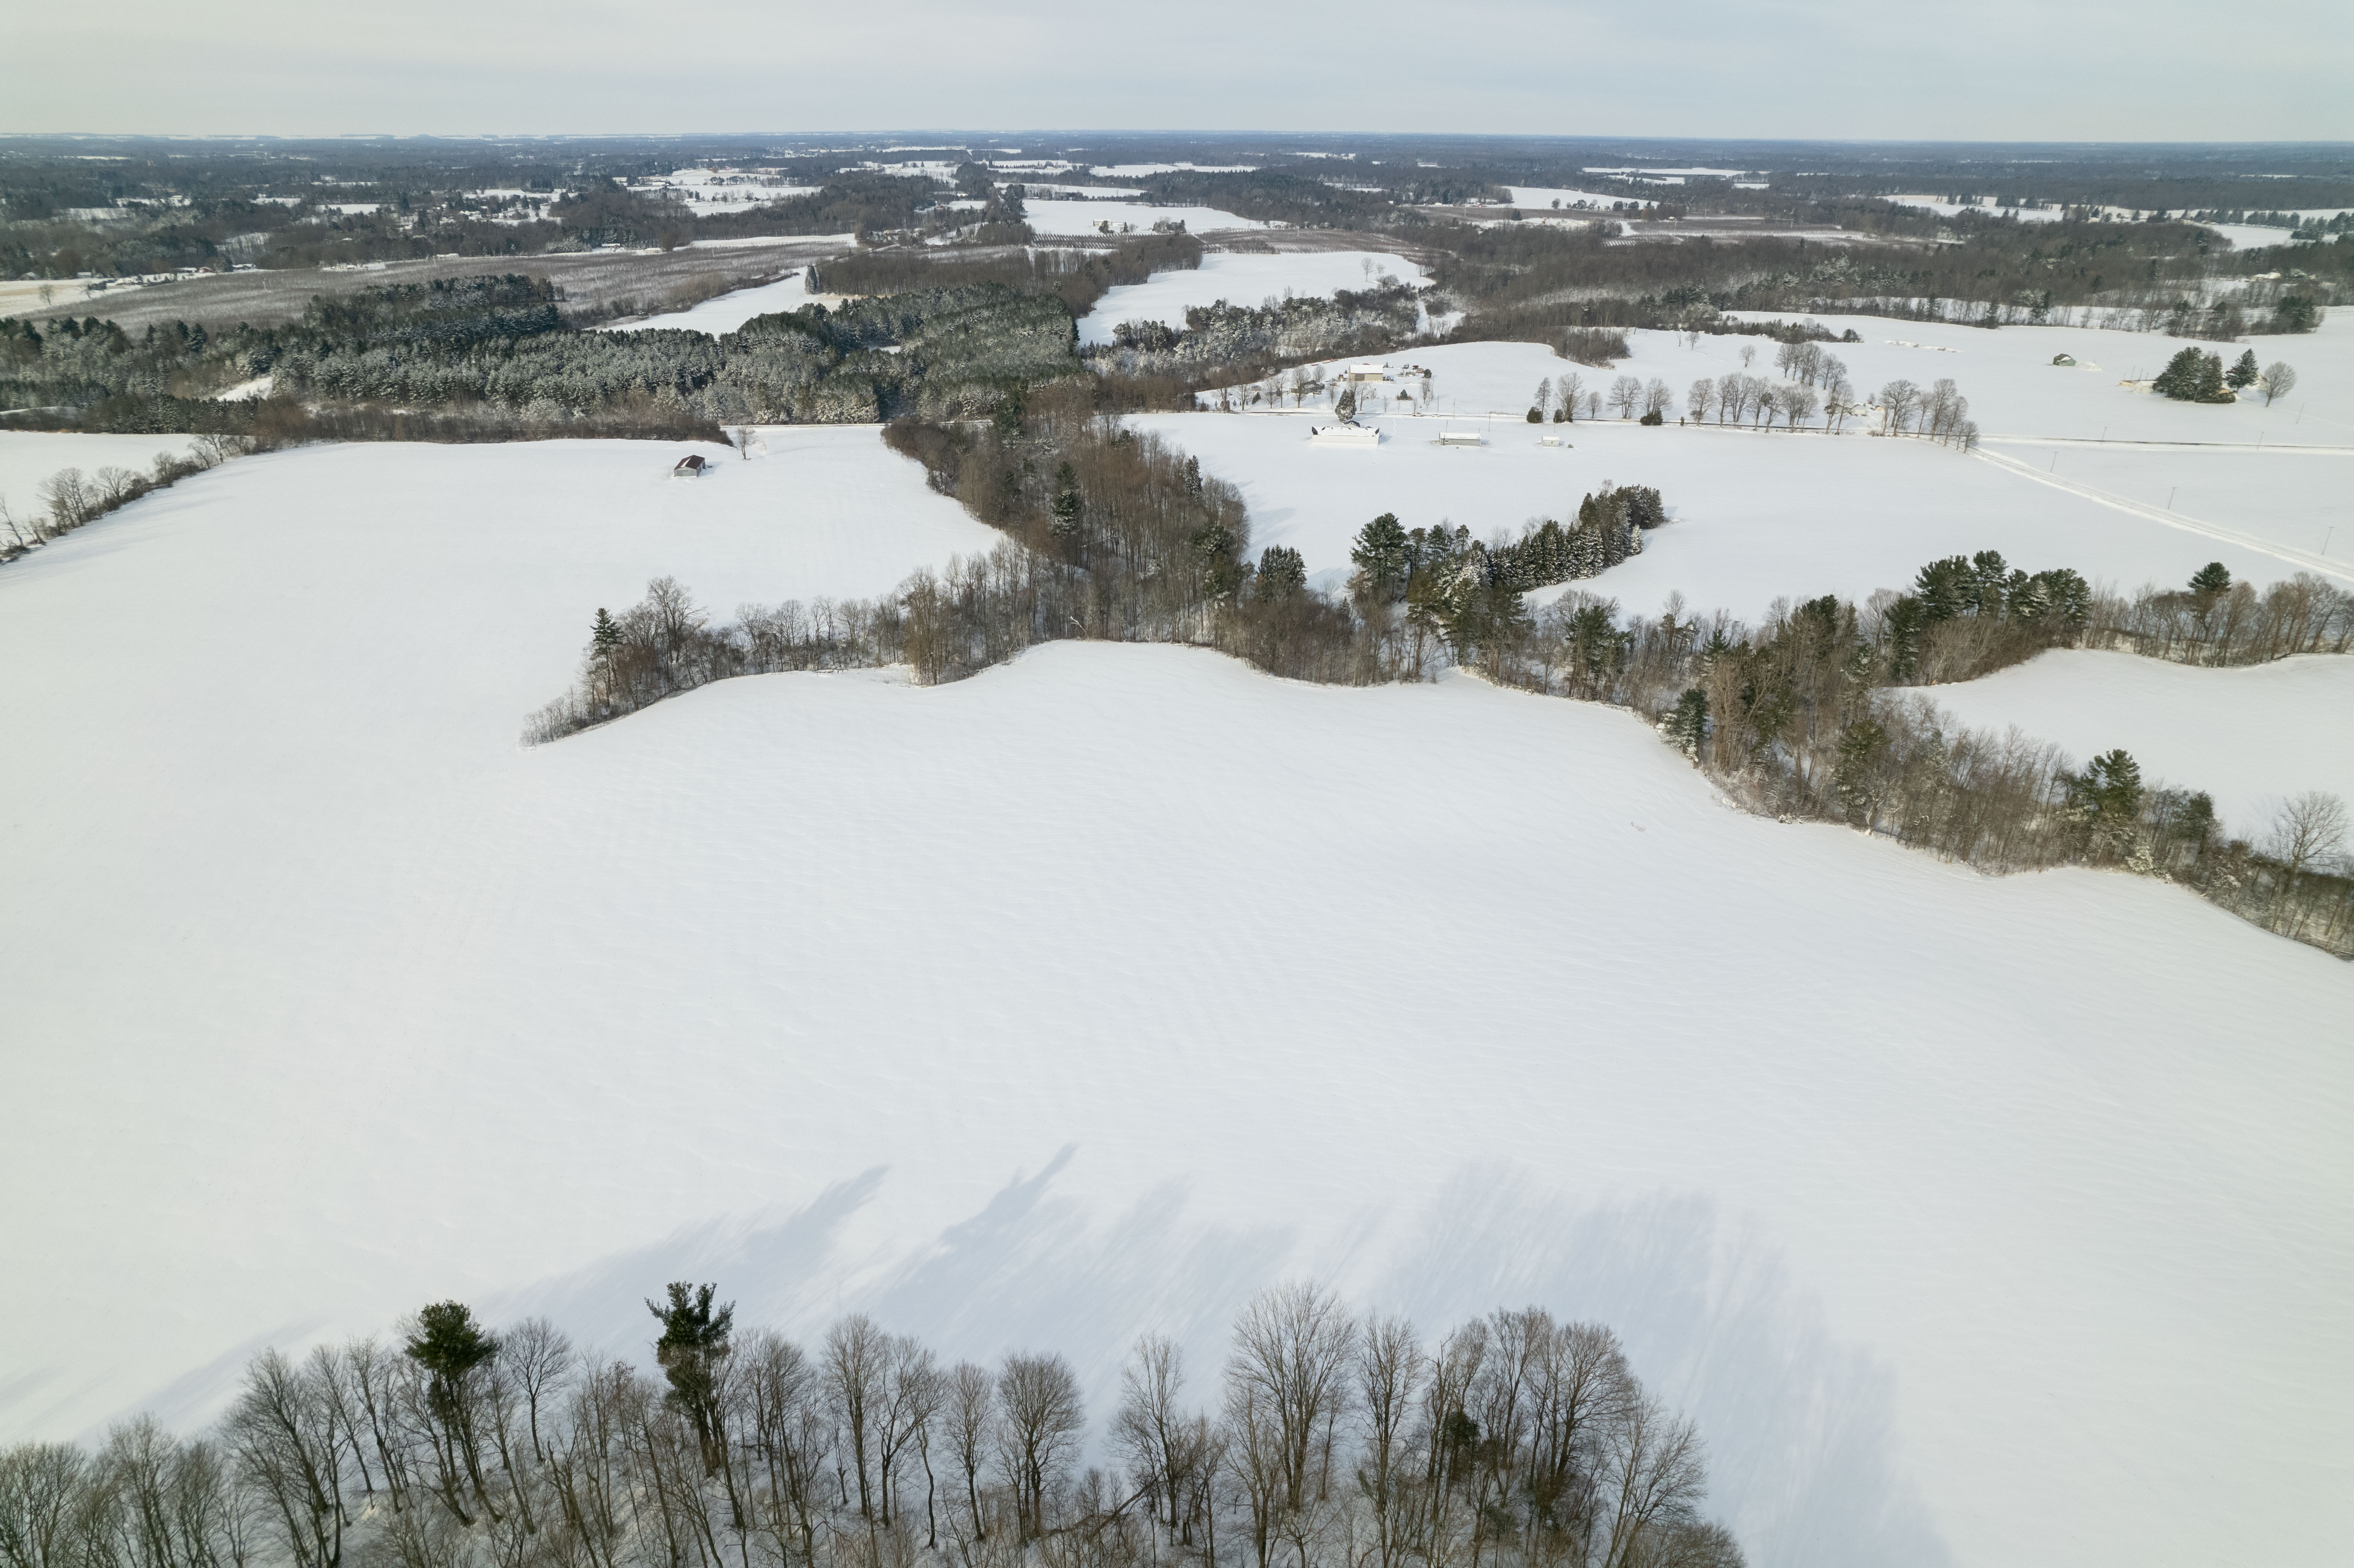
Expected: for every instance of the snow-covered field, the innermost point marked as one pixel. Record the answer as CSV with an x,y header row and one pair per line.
x,y
1987,206
727,311
774,984
1082,217
1756,515
1089,995
2289,497
1547,196
1241,279
2015,389
1142,171
28,457
2249,736
718,191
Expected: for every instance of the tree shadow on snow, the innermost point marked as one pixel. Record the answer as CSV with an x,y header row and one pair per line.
x,y
1806,1462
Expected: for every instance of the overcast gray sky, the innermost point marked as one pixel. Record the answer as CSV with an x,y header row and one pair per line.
x,y
2002,69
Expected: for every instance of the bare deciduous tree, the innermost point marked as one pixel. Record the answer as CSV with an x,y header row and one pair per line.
x,y
1040,1417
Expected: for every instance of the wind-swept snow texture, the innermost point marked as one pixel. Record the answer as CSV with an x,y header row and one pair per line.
x,y
1990,1223
1241,280
2249,736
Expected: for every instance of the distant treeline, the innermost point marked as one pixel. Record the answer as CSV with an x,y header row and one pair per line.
x,y
1076,277
495,351
1530,283
1326,1439
1225,341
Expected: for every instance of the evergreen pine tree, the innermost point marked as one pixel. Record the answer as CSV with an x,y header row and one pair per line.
x,y
1860,747
1282,572
2210,579
1383,555
2208,388
1946,588
695,1340
1904,622
2243,372
2179,379
1066,502
604,636
1688,722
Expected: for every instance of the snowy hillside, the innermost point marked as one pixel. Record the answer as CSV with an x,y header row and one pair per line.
x,y
28,457
1091,995
2248,737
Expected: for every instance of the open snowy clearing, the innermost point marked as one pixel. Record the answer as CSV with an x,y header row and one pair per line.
x,y
28,457
1547,196
1083,217
2249,736
326,998
1985,205
2291,498
1241,279
2015,389
729,311
1143,171
1756,515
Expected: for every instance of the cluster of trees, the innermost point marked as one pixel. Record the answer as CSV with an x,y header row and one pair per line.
x,y
945,348
1077,278
1529,284
1595,347
1111,535
1941,414
1465,592
2194,376
2261,217
2217,621
497,350
1226,339
1326,1440
1805,716
1564,399
70,498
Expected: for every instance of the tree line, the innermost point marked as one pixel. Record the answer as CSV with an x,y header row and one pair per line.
x,y
1112,535
1229,340
497,349
1076,277
1329,1438
69,498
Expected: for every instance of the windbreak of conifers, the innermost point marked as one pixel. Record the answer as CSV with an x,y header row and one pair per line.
x,y
1328,1440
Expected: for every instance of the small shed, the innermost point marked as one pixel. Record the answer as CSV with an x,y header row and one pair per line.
x,y
2063,359
691,466
1461,438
